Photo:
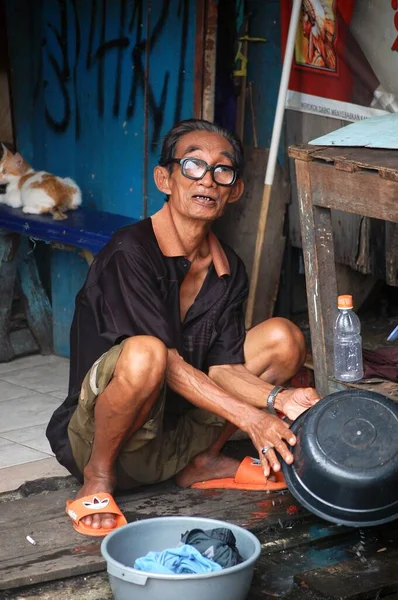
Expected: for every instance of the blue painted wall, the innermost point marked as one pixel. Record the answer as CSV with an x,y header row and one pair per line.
x,y
78,92
78,71
264,69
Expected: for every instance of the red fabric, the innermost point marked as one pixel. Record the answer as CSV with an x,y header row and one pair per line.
x,y
381,363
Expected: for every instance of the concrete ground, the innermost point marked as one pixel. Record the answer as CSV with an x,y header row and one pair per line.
x,y
31,388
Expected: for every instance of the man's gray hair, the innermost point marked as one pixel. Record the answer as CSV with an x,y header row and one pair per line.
x,y
190,125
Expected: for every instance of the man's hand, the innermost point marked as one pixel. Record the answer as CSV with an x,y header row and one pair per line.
x,y
270,433
294,401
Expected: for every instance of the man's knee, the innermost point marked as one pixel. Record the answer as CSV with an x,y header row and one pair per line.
x,y
287,338
291,340
142,356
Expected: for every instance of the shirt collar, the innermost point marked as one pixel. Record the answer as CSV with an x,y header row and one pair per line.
x,y
171,245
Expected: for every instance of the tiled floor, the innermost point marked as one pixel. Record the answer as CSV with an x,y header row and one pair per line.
x,y
30,390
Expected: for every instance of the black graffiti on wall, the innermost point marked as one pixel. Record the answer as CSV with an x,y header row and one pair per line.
x,y
136,40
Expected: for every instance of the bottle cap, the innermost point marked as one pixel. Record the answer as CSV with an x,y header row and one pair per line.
x,y
345,302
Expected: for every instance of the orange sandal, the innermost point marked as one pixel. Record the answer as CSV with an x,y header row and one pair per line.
x,y
249,476
90,505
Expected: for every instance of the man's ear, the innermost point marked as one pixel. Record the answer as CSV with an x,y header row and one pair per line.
x,y
237,191
161,176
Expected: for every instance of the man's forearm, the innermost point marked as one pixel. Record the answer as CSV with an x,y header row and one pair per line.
x,y
244,385
199,389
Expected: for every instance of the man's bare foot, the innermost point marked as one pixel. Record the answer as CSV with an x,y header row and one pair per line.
x,y
93,486
209,465
205,466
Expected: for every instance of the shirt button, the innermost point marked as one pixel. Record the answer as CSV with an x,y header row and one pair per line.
x,y
185,263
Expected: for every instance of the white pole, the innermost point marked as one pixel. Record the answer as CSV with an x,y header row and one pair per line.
x,y
281,103
272,157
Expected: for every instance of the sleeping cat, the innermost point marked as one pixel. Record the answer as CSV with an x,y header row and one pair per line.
x,y
37,192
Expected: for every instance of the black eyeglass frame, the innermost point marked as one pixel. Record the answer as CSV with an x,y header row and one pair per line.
x,y
182,161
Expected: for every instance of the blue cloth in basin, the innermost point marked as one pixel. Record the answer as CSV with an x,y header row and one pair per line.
x,y
184,559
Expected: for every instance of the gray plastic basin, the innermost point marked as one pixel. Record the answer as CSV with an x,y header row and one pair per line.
x,y
121,548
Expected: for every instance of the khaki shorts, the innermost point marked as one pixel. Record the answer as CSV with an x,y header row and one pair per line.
x,y
150,455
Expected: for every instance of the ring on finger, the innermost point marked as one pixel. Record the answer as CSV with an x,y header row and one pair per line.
x,y
265,449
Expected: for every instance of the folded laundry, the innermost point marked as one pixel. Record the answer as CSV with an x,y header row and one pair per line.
x,y
217,544
173,561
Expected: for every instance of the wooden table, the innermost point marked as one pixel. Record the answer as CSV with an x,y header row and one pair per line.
x,y
361,181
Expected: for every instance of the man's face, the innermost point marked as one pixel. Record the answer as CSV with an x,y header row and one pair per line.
x,y
202,199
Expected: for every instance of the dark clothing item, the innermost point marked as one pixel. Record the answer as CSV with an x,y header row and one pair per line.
x,y
217,544
131,289
382,362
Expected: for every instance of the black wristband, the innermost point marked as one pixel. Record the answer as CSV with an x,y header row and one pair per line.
x,y
271,398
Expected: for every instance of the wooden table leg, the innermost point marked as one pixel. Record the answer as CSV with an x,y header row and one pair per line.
x,y
318,249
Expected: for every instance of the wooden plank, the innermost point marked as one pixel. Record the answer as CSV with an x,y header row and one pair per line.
x,y
383,161
334,553
6,130
9,243
353,157
84,587
318,250
62,552
351,234
84,228
392,254
301,152
358,193
354,579
278,570
292,541
37,305
298,535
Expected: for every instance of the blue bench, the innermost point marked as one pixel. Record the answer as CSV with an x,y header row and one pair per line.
x,y
85,229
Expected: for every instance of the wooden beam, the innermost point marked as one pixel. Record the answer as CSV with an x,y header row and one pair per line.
x,y
9,243
363,192
318,250
37,305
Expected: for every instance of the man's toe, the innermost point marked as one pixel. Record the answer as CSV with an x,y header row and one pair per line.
x,y
108,521
105,520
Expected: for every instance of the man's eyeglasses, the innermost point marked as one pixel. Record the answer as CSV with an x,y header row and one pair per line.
x,y
195,168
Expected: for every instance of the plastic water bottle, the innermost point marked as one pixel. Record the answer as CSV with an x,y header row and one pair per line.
x,y
348,364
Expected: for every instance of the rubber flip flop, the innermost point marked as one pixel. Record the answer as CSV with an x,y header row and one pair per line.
x,y
90,505
249,476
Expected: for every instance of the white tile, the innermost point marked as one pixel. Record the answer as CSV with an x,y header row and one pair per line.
x,y
11,478
33,409
29,362
44,378
9,391
32,437
60,394
16,454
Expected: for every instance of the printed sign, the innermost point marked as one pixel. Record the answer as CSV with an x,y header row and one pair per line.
x,y
345,58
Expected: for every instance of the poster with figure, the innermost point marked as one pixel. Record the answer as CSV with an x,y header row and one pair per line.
x,y
345,58
315,44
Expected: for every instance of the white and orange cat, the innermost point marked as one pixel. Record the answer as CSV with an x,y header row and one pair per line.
x,y
36,192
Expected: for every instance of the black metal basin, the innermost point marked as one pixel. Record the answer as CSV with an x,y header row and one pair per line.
x,y
345,466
